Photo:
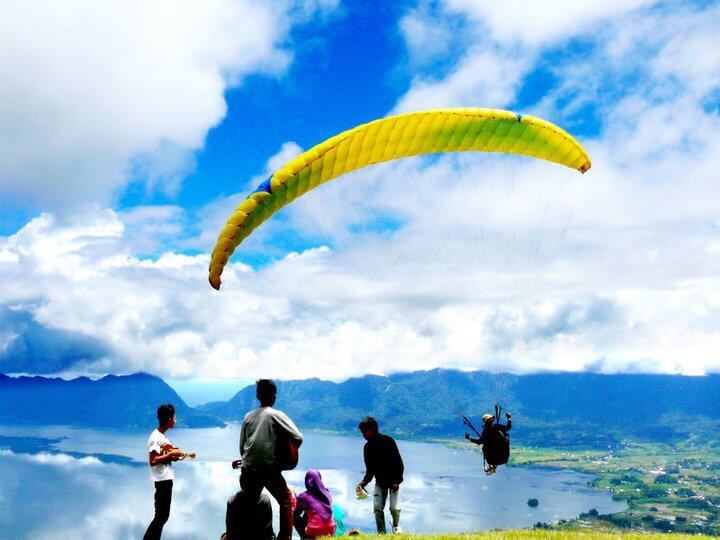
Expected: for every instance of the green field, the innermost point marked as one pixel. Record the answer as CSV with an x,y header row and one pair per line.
x,y
545,535
667,487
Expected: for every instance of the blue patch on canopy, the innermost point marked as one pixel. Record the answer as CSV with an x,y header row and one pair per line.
x,y
265,186
519,116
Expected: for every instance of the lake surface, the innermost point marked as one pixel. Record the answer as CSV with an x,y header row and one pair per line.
x,y
93,483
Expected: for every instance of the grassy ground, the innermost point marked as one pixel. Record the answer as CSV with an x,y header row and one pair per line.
x,y
544,535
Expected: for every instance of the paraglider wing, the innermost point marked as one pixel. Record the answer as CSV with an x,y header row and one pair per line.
x,y
394,137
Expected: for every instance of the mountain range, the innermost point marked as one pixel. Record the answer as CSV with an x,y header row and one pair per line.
x,y
114,402
550,409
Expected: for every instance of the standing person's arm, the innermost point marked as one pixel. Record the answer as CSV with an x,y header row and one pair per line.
x,y
243,435
508,426
369,469
284,422
173,455
398,467
156,459
156,455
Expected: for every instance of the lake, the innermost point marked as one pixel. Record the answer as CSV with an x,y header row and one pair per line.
x,y
95,483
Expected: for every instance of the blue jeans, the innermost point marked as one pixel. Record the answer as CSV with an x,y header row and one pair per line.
x,y
380,496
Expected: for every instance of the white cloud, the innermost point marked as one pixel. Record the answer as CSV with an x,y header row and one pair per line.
x,y
64,461
456,261
490,47
153,229
97,93
487,78
541,23
106,500
212,217
90,509
493,277
431,34
288,150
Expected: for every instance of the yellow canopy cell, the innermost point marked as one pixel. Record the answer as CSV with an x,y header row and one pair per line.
x,y
394,137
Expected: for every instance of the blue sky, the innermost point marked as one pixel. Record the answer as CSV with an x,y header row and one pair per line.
x,y
347,69
121,162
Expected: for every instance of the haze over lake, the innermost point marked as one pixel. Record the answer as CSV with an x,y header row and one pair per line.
x,y
98,486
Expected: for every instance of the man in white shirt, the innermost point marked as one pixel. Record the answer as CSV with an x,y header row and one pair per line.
x,y
265,437
161,454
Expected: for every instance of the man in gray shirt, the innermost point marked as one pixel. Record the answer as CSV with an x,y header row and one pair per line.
x,y
266,437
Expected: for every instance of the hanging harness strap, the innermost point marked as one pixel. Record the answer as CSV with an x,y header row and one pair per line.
x,y
469,424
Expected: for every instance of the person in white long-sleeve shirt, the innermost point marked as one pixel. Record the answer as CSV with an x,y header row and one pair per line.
x,y
261,456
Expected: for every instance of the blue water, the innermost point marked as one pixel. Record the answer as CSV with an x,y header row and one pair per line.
x,y
95,484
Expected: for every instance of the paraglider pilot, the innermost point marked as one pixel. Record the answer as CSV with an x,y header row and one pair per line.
x,y
494,440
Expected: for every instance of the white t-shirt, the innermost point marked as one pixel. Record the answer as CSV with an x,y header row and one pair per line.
x,y
161,471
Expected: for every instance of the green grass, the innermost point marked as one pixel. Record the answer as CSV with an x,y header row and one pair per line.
x,y
544,535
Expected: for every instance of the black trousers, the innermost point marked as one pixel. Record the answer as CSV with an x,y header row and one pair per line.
x,y
253,482
300,521
163,497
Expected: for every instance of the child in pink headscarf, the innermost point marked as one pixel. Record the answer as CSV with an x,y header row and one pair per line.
x,y
313,515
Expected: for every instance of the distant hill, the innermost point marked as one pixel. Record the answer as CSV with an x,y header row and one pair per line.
x,y
552,409
127,401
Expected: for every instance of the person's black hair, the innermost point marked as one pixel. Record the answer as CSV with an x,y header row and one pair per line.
x,y
265,390
368,423
165,413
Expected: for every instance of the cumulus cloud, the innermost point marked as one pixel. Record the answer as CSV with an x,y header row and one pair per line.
x,y
27,346
154,228
535,24
96,95
212,216
105,500
88,498
456,261
487,77
493,47
494,278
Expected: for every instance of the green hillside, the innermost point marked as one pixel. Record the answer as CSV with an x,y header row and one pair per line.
x,y
551,409
667,487
537,534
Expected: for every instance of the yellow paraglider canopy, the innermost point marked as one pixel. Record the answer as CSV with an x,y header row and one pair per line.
x,y
394,137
